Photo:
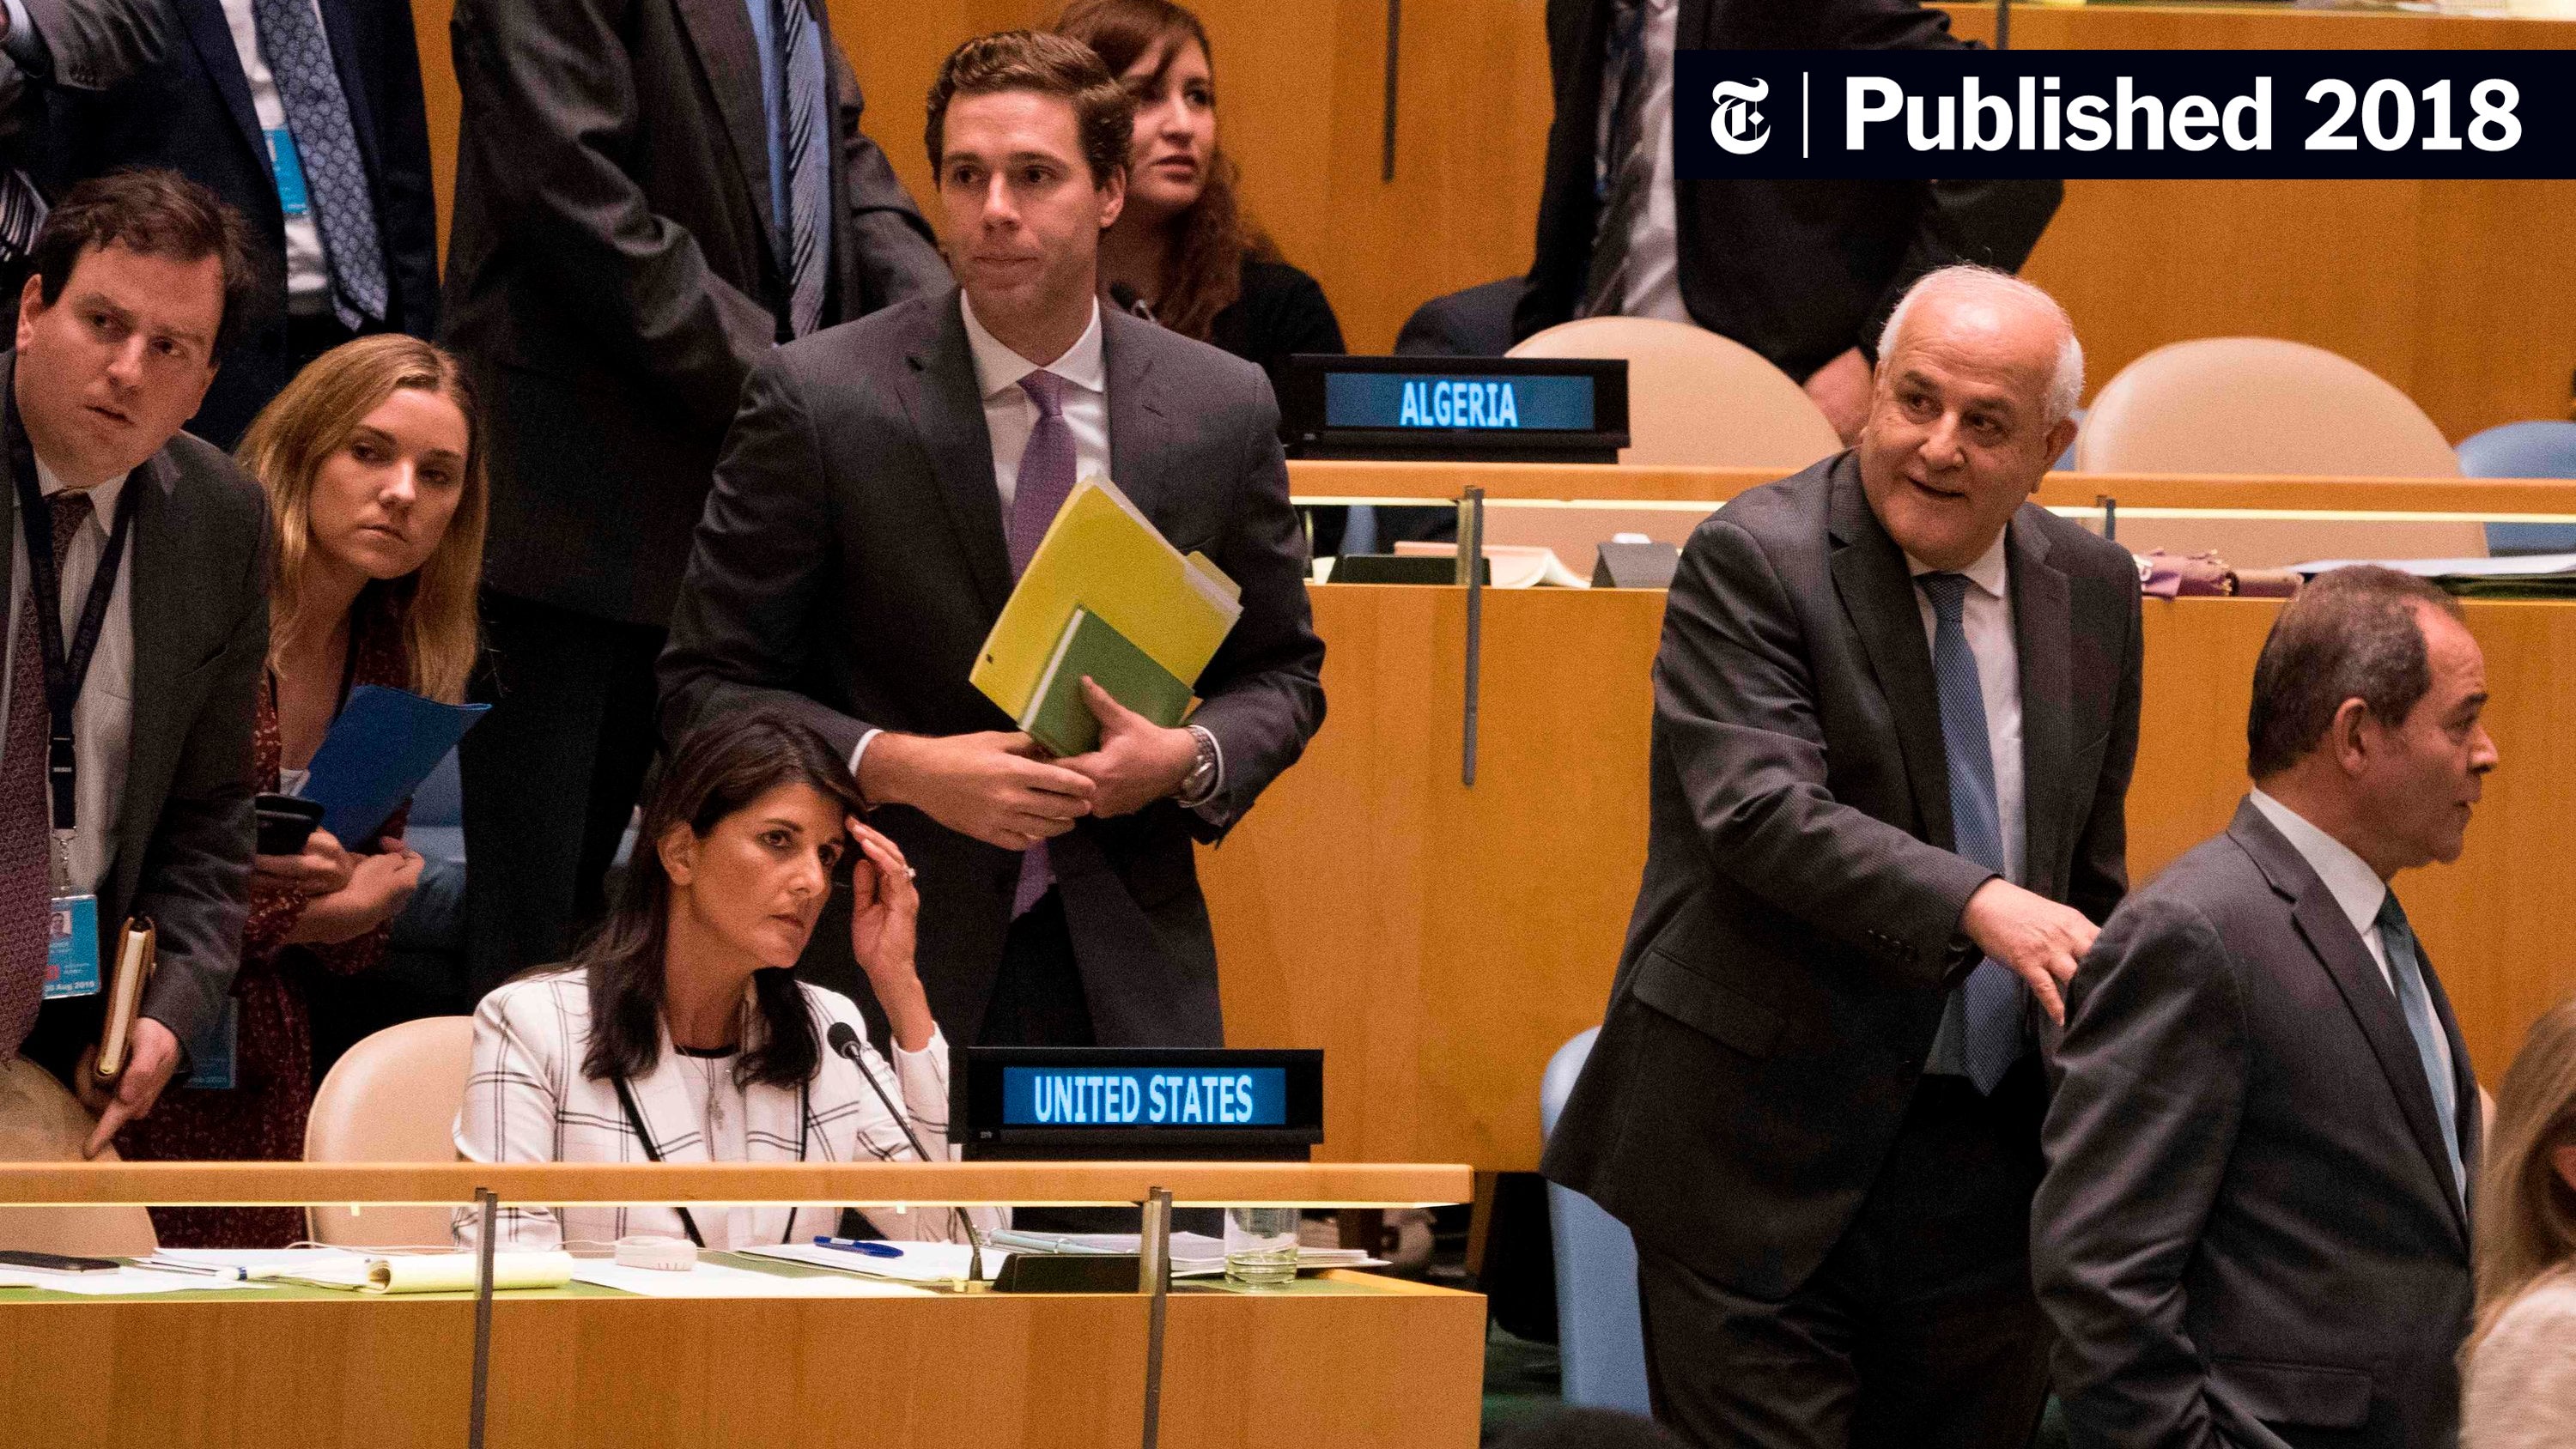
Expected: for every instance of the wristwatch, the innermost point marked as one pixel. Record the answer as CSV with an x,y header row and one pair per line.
x,y
1200,782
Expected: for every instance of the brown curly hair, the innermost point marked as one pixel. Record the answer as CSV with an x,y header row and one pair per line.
x,y
1203,273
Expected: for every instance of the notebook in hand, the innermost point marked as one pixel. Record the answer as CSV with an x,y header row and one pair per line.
x,y
1059,718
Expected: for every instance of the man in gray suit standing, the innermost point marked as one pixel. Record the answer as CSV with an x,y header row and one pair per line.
x,y
884,484
2254,1230
141,674
1896,705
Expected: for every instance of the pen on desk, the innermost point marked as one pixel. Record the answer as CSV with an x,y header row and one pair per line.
x,y
164,1265
860,1245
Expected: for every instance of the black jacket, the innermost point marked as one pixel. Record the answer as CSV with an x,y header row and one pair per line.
x,y
1279,312
2248,1234
194,116
852,560
613,274
1799,271
1796,933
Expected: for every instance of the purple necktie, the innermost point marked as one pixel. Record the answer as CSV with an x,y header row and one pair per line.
x,y
1046,480
26,819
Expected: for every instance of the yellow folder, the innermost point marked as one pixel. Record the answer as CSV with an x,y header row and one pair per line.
x,y
1101,554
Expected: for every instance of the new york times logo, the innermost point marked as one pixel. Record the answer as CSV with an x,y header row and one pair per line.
x,y
1732,125
1967,115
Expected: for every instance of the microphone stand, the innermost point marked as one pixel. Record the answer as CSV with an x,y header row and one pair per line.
x,y
848,1046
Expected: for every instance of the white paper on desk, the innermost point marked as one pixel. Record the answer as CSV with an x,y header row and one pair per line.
x,y
2506,566
1194,1255
302,1260
919,1263
119,1283
715,1280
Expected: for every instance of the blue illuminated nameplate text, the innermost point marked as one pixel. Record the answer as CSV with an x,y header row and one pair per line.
x,y
1144,1097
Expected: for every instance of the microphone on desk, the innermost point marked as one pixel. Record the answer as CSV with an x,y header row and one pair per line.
x,y
842,1040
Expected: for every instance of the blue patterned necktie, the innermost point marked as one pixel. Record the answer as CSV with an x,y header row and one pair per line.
x,y
1045,481
1987,1007
2406,974
1624,165
335,175
800,78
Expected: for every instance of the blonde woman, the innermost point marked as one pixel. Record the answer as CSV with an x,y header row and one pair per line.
x,y
376,489
2519,1366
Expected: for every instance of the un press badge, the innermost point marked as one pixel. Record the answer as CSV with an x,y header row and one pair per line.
x,y
71,948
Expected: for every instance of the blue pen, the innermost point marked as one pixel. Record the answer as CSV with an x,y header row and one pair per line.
x,y
860,1245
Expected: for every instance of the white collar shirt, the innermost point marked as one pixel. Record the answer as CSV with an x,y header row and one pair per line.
x,y
1985,616
308,271
1010,416
103,719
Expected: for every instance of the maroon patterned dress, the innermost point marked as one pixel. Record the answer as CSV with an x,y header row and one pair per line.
x,y
261,1116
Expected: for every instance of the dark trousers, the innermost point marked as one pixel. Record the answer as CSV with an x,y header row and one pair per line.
x,y
1037,999
1919,1330
551,777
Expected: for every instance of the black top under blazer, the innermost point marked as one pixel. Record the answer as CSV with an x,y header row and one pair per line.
x,y
852,559
1797,928
2248,1233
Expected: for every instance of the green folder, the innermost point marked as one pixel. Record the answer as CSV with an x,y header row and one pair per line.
x,y
1057,716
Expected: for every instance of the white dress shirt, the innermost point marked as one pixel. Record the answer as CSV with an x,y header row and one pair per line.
x,y
1985,615
308,275
1653,276
103,719
2356,888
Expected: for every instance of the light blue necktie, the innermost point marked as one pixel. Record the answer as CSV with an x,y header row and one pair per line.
x,y
2406,973
317,116
809,185
1984,1013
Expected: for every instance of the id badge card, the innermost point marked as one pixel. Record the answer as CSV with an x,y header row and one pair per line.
x,y
288,168
210,1056
71,948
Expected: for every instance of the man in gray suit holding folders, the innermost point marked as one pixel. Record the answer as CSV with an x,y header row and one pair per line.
x,y
884,484
150,656
1896,706
2255,1226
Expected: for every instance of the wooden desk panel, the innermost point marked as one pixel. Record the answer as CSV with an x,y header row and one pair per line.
x,y
1362,1362
1440,943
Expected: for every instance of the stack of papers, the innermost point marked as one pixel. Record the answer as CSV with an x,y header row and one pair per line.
x,y
904,1262
1101,556
719,1280
1194,1255
1508,565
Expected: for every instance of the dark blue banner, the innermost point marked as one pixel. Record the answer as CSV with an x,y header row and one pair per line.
x,y
1144,1097
2124,114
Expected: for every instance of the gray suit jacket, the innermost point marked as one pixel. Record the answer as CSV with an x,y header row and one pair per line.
x,y
2248,1234
614,273
1797,927
198,592
852,560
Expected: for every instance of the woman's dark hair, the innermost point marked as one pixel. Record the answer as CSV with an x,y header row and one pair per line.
x,y
721,768
1204,271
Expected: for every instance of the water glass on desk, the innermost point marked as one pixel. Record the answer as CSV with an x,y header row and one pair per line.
x,y
1261,1246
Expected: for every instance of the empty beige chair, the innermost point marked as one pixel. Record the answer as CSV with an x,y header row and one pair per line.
x,y
2258,405
1695,399
392,1098
42,1122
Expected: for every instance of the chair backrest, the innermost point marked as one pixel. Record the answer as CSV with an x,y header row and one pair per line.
x,y
2543,449
2258,405
41,1121
391,1098
1695,399
1600,1334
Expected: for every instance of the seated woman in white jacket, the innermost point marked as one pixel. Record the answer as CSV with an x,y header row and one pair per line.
x,y
679,1032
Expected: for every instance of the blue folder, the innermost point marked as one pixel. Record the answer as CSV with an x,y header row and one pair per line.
x,y
385,742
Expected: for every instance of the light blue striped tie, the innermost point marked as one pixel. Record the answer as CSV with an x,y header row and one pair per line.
x,y
809,186
2406,973
1986,1009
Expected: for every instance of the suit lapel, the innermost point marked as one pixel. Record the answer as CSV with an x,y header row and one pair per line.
x,y
2040,637
1137,432
721,30
2339,948
160,592
1878,597
947,411
214,40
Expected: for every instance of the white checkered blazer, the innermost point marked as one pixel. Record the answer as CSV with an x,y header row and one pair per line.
x,y
527,1101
